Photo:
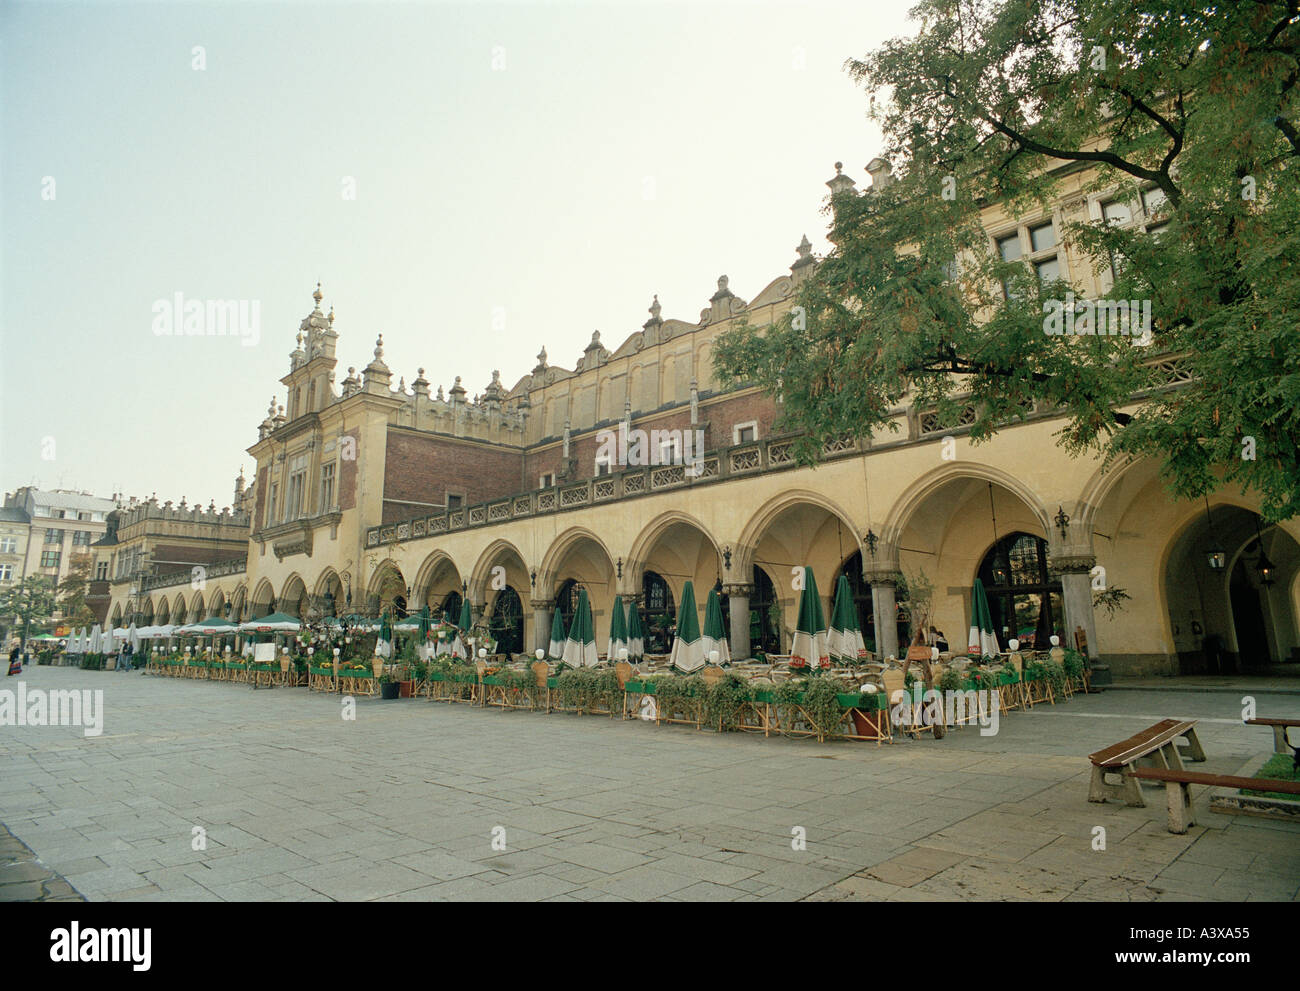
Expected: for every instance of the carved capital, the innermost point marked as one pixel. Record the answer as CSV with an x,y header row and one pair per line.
x,y
1073,564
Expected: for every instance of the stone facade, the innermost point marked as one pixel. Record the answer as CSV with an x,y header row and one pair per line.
x,y
369,495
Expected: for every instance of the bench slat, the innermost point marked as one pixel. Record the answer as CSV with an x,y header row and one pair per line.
x,y
1273,722
1217,780
1141,744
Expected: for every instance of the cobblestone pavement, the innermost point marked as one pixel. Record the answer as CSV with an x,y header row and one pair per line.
x,y
206,791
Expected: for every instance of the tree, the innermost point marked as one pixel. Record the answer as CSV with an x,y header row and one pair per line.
x,y
72,592
26,602
1023,102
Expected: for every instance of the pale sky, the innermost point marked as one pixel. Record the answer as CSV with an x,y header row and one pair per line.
x,y
562,161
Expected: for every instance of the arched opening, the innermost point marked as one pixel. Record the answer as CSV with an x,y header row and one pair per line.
x,y
658,613
263,603
506,622
1025,599
388,591
1241,617
237,607
164,614
117,616
293,600
944,533
578,559
328,600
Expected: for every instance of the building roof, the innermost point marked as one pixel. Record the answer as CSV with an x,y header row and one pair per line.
x,y
14,514
60,499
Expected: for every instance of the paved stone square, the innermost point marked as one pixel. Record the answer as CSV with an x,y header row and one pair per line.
x,y
298,804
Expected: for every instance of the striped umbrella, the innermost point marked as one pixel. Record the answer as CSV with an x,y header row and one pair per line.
x,y
982,641
635,635
580,647
810,628
617,631
715,633
844,642
556,650
688,646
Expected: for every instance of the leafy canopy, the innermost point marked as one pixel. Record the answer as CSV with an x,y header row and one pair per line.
x,y
1028,102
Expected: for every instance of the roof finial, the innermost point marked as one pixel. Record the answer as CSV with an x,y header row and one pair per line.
x,y
379,346
317,295
331,317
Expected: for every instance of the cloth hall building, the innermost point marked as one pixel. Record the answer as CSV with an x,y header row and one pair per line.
x,y
368,497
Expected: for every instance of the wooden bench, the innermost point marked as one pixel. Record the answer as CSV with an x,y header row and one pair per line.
x,y
1280,726
1158,741
1178,789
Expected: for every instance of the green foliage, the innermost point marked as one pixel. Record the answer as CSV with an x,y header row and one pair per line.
x,y
822,705
1112,600
1073,664
587,689
724,701
949,681
1004,101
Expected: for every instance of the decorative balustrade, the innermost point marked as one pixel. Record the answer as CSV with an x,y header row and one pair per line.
x,y
210,571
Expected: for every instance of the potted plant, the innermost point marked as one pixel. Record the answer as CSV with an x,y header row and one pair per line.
x,y
388,688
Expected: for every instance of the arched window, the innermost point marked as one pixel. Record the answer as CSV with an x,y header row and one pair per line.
x,y
1024,598
567,601
657,613
507,622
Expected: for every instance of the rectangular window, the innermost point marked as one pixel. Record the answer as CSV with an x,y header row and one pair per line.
x,y
84,517
546,481
1009,247
6,572
101,571
270,506
50,559
81,538
669,453
1042,238
745,433
53,535
455,501
8,545
1117,212
1154,200
1048,270
603,465
327,487
294,495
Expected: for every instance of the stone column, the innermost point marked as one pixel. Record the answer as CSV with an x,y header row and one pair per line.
x,y
884,607
1076,589
541,623
738,605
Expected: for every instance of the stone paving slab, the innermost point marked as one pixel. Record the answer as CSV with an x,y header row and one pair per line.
x,y
404,803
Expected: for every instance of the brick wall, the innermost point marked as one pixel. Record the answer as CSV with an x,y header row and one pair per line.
x,y
423,468
720,416
347,475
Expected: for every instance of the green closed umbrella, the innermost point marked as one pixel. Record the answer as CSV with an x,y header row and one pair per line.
x,y
580,647
617,632
466,620
688,647
635,635
715,633
844,642
424,623
810,628
982,641
556,649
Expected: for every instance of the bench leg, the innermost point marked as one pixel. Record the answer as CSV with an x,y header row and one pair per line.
x,y
1179,796
1128,791
1169,754
1279,740
1193,749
